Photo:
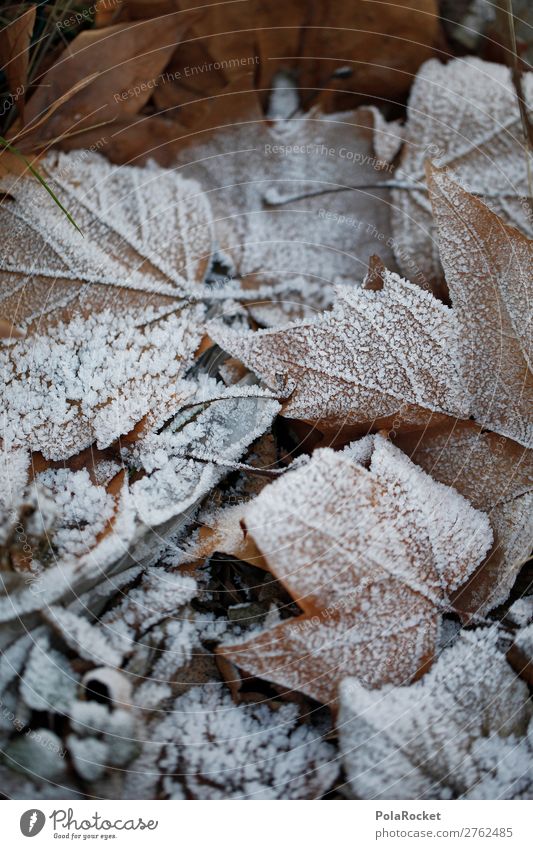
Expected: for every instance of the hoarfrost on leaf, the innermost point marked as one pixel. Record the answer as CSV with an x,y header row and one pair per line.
x,y
371,556
460,732
209,748
464,116
376,355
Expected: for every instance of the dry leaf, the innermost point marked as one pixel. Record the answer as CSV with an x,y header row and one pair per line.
x,y
298,202
460,732
489,268
93,379
377,357
313,41
364,556
220,517
464,116
393,355
125,59
189,457
14,55
148,241
496,475
77,533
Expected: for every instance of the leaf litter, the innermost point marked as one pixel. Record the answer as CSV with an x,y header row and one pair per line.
x,y
201,602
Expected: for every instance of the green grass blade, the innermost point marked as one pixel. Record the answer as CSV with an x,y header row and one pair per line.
x,y
41,180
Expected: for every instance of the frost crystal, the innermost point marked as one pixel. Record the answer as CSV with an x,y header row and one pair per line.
x,y
147,240
209,748
371,557
375,355
92,380
460,732
464,116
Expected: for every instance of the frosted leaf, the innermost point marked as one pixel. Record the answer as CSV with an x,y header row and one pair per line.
x,y
40,754
220,516
84,509
88,641
464,116
521,612
48,683
147,240
93,379
460,732
184,464
209,748
14,469
371,557
70,577
289,221
496,475
489,268
181,463
88,756
159,597
377,355
116,727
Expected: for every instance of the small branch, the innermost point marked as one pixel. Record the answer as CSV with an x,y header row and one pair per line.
x,y
234,466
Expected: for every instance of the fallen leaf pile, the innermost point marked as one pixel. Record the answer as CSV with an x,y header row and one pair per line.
x,y
267,405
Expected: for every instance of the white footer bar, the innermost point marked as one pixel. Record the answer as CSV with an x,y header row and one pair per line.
x,y
251,825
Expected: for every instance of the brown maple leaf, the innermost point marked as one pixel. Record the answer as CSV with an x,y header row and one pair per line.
x,y
129,259
489,268
378,358
392,355
364,555
495,474
464,116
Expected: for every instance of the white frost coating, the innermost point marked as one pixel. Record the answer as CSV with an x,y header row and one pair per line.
x,y
463,115
370,556
284,97
83,509
455,533
88,641
14,467
48,682
496,475
209,748
288,219
146,229
361,450
388,136
185,464
159,596
92,379
459,732
521,612
372,356
489,268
